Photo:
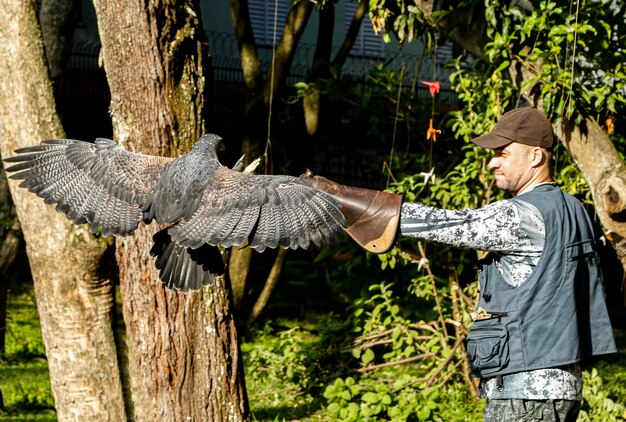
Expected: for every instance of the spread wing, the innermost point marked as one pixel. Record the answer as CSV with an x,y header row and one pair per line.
x,y
234,209
204,203
263,210
98,183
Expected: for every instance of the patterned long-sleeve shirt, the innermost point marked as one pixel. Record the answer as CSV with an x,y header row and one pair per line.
x,y
514,230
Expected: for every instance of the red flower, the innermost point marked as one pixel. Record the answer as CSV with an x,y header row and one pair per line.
x,y
433,87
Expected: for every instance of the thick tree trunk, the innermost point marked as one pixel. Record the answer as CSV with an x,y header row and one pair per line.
x,y
183,352
74,303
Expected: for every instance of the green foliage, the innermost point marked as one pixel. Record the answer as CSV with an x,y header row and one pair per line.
x,y
574,53
597,405
400,360
614,381
351,400
284,360
281,365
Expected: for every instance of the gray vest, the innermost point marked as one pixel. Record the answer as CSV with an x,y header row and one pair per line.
x,y
559,315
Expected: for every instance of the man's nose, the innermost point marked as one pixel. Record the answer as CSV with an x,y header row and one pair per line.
x,y
493,163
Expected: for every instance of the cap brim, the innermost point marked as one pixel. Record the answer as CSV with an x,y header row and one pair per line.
x,y
491,141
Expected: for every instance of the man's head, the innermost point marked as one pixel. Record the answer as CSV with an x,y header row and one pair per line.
x,y
522,141
525,125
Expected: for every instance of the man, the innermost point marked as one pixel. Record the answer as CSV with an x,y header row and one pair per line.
x,y
541,312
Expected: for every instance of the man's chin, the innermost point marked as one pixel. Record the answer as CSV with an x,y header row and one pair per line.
x,y
502,184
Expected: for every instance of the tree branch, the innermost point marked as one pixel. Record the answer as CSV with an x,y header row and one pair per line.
x,y
351,35
294,28
250,62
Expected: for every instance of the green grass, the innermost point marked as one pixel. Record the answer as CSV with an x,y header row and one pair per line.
x,y
24,378
279,356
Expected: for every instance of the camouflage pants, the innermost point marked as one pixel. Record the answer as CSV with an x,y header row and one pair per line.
x,y
506,410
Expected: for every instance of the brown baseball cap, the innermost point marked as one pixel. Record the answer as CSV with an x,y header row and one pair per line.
x,y
525,125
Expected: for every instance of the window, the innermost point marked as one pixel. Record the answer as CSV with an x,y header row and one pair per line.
x,y
262,14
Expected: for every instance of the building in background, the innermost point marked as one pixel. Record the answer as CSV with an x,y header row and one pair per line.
x,y
83,97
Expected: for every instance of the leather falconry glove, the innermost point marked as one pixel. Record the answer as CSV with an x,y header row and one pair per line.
x,y
372,216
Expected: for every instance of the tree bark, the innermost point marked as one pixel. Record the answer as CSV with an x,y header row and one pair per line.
x,y
74,302
183,352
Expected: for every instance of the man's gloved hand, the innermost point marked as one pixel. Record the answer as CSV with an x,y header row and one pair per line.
x,y
372,216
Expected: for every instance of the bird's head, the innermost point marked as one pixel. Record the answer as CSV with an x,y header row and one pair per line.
x,y
209,142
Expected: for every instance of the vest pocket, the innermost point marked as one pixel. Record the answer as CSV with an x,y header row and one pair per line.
x,y
487,348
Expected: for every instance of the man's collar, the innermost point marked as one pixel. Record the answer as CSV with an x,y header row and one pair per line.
x,y
528,189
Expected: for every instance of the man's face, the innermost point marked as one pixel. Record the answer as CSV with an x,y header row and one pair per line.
x,y
511,165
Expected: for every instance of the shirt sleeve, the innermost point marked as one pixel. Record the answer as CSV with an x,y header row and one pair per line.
x,y
494,228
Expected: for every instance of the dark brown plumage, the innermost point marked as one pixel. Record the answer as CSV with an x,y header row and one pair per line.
x,y
202,203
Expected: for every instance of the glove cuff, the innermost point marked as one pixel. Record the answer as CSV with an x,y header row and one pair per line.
x,y
372,216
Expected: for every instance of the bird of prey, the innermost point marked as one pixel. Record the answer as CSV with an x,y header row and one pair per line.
x,y
200,203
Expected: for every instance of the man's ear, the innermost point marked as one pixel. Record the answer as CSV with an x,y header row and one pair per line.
x,y
537,156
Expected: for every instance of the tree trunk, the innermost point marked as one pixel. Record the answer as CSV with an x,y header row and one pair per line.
x,y
269,286
239,263
183,353
74,303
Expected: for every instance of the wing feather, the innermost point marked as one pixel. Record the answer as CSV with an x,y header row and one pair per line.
x,y
204,204
266,211
98,183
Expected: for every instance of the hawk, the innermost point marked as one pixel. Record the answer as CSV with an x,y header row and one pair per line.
x,y
199,203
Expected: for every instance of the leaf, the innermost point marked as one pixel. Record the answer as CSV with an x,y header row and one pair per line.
x,y
368,356
333,408
396,333
353,410
387,399
370,397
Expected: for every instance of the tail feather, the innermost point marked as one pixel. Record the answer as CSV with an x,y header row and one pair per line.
x,y
184,268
